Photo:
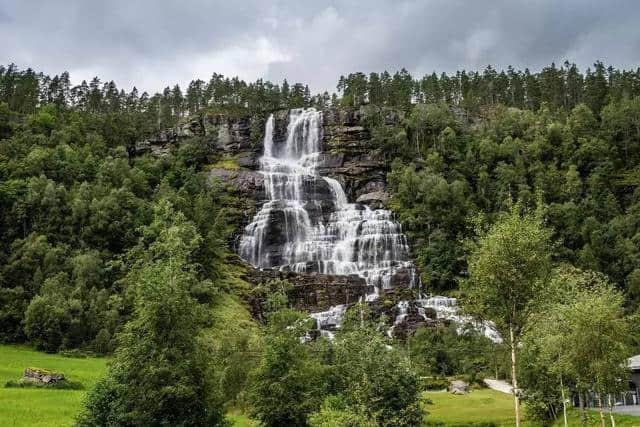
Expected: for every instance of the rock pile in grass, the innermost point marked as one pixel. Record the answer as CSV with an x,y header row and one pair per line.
x,y
41,376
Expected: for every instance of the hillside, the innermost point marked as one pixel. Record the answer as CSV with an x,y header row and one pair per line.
x,y
316,259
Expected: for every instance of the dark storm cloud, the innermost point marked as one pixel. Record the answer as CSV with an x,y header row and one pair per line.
x,y
155,43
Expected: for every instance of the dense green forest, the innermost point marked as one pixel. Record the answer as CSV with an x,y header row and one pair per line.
x,y
91,232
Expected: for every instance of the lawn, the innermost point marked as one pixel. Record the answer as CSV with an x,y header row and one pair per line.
x,y
490,406
38,407
479,406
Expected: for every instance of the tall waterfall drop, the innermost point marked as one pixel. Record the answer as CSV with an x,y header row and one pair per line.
x,y
307,223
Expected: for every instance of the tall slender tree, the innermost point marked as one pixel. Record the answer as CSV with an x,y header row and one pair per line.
x,y
508,267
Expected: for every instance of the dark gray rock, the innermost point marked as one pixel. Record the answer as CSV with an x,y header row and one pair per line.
x,y
349,155
375,199
458,387
311,291
41,376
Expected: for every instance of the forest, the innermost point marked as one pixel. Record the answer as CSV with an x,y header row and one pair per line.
x,y
516,189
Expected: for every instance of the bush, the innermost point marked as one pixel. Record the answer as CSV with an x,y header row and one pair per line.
x,y
377,378
434,383
288,384
102,343
75,353
45,321
161,372
335,413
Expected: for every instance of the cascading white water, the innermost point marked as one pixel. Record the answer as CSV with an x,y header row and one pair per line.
x,y
307,223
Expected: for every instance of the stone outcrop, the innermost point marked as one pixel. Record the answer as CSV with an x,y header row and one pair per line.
x,y
311,292
351,156
41,376
375,199
243,181
222,134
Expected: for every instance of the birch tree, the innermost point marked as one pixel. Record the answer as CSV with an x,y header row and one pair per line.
x,y
508,268
584,335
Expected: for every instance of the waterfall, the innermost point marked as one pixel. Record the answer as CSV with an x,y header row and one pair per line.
x,y
447,308
307,223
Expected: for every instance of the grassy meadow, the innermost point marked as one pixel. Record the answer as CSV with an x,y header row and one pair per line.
x,y
479,406
50,407
488,407
43,407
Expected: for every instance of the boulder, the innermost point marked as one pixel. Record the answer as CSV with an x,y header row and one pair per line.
x,y
375,200
41,376
458,387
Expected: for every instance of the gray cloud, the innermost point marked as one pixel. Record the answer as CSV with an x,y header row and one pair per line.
x,y
152,44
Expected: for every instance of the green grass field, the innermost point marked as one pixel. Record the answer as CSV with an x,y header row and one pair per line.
x,y
43,407
478,406
49,407
490,406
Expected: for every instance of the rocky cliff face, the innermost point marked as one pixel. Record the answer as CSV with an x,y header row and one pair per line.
x,y
235,145
311,292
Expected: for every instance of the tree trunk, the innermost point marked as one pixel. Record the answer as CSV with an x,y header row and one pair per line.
x,y
613,421
564,403
602,423
514,380
583,415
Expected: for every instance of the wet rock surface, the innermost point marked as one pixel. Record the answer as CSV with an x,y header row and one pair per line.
x,y
311,292
349,154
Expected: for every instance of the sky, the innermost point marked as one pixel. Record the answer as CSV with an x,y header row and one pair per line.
x,y
151,44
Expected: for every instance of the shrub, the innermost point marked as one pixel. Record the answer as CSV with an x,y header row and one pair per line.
x,y
434,383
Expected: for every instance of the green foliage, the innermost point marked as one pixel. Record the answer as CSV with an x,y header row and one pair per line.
x,y
508,268
358,379
288,384
432,212
437,384
160,373
581,170
334,412
581,337
447,351
376,380
72,204
272,295
80,222
46,321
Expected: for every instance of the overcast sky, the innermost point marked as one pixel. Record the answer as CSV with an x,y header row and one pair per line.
x,y
154,43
